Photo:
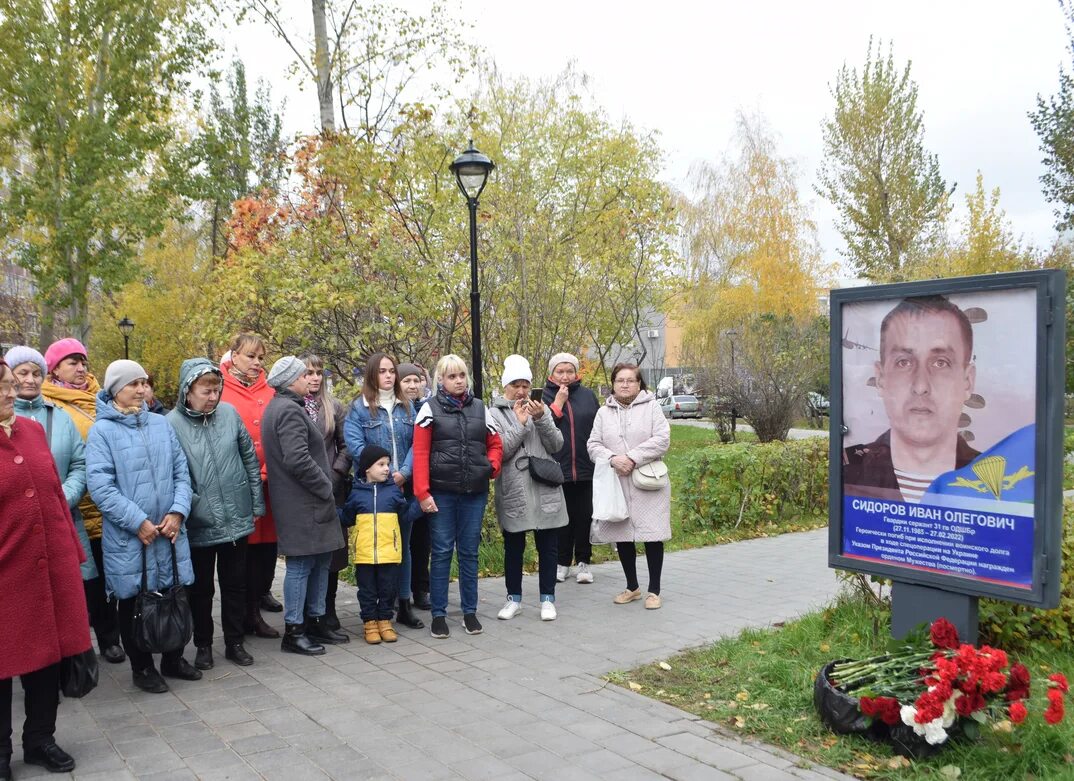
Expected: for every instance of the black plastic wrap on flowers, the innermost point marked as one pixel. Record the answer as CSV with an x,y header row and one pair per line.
x,y
838,710
907,743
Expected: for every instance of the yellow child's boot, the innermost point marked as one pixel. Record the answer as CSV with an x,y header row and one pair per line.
x,y
387,633
372,632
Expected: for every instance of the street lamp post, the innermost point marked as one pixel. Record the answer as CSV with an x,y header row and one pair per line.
x,y
731,334
126,327
472,170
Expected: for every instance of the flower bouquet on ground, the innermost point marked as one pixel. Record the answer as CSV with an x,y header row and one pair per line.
x,y
928,689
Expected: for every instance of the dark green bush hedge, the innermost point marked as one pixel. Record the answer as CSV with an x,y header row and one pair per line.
x,y
725,486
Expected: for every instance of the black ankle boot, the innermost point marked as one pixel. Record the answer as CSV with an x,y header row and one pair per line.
x,y
406,616
318,631
295,641
421,600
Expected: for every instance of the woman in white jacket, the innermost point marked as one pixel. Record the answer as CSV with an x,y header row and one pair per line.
x,y
630,431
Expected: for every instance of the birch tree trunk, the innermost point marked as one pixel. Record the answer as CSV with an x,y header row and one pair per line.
x,y
324,67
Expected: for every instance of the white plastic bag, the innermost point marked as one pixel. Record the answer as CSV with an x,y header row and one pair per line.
x,y
609,504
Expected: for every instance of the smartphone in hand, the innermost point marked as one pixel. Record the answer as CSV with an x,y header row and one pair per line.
x,y
536,394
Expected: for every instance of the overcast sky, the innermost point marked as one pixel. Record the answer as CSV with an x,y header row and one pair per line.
x,y
684,69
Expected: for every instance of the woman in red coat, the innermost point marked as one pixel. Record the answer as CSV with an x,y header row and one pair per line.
x,y
42,607
246,389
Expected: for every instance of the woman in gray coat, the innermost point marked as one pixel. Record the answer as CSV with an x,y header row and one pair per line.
x,y
303,505
225,477
522,503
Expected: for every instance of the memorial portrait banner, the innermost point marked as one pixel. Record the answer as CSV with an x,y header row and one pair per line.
x,y
946,433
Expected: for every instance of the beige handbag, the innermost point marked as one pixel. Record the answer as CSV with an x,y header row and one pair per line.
x,y
650,477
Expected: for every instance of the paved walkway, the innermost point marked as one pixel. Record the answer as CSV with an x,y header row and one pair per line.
x,y
794,433
524,700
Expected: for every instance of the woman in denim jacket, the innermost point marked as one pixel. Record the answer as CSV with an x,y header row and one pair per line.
x,y
383,416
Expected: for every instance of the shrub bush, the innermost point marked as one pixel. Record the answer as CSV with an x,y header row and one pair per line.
x,y
1007,625
725,486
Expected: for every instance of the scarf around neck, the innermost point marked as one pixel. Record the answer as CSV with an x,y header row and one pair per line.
x,y
313,407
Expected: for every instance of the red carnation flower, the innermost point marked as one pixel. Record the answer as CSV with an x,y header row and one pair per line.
x,y
867,706
887,709
993,682
1054,713
1060,680
1018,687
1017,712
943,634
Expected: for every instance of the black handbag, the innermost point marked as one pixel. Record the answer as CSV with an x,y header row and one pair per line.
x,y
543,470
79,674
162,620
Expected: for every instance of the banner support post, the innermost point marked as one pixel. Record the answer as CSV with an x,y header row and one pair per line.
x,y
912,605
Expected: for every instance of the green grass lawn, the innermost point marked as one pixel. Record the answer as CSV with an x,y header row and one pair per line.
x,y
761,684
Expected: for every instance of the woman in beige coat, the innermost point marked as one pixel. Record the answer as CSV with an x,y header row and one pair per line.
x,y
630,431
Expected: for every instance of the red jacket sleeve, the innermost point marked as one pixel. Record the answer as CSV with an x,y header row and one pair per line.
x,y
494,447
423,440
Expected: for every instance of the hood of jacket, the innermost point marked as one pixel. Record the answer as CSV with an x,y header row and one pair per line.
x,y
501,402
642,398
106,410
189,372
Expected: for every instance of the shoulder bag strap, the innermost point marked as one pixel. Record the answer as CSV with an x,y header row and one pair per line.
x,y
145,575
48,425
175,564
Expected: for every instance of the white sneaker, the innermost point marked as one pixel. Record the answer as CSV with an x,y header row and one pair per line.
x,y
509,610
548,611
584,575
562,573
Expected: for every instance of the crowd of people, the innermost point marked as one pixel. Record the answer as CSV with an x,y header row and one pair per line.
x,y
105,488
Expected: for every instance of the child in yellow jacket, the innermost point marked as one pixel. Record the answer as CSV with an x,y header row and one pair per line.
x,y
374,506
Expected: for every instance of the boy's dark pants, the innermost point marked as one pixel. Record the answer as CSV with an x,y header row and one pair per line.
x,y
377,589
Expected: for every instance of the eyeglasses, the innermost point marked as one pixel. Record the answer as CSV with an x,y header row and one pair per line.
x,y
8,387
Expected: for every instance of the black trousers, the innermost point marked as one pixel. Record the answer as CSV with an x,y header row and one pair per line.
x,y
574,537
420,550
514,549
140,660
654,558
260,571
102,610
42,698
377,589
229,561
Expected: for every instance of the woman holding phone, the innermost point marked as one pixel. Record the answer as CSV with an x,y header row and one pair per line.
x,y
524,503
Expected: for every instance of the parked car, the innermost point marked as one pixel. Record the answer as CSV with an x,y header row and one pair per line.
x,y
680,407
817,405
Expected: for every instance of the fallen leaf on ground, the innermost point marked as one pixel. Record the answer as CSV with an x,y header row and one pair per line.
x,y
951,772
759,705
665,666
740,722
707,695
634,687
825,647
1003,726
898,763
742,696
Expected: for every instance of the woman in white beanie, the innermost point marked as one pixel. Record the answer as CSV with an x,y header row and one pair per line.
x,y
137,474
524,503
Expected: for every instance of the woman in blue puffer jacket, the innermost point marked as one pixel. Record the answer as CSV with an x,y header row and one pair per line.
x,y
137,476
384,416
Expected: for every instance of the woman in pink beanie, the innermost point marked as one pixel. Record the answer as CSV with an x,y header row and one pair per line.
x,y
72,387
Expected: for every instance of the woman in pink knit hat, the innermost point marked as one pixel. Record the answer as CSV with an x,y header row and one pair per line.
x,y
70,386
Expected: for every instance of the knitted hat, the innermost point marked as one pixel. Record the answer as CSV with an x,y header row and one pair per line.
x,y
122,373
57,351
22,354
559,358
285,371
407,369
371,454
515,367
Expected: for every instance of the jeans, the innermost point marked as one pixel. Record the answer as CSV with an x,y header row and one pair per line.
x,y
402,588
304,586
514,547
376,590
229,561
419,554
42,698
574,537
456,527
654,558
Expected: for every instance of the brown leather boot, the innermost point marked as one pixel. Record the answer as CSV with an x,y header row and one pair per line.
x,y
372,632
258,626
387,633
